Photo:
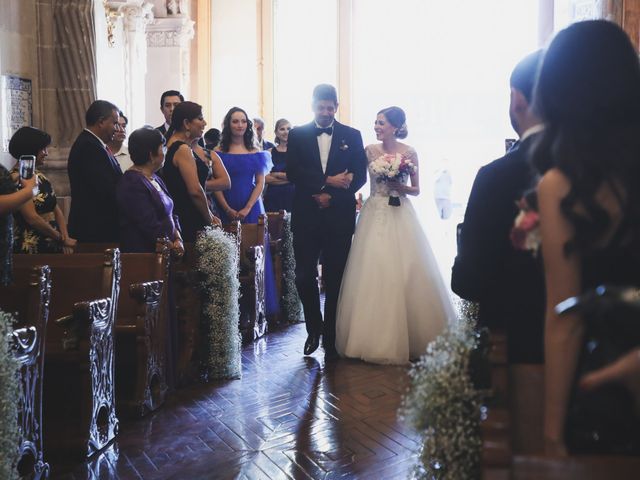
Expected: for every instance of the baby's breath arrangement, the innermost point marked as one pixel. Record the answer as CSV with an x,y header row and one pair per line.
x,y
291,304
217,266
9,391
443,405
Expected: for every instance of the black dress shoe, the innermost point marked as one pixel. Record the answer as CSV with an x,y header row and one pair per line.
x,y
311,345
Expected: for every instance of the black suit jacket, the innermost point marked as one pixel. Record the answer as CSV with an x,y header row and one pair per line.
x,y
507,283
162,130
304,170
93,216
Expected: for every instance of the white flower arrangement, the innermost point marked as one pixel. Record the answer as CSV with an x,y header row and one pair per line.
x,y
217,266
290,302
9,395
443,405
392,166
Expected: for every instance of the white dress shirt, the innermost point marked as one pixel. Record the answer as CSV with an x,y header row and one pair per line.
x,y
324,145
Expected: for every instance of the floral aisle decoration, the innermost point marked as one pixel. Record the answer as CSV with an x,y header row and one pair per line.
x,y
444,405
290,302
9,394
217,267
392,167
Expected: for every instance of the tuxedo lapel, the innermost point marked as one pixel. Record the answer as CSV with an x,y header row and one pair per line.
x,y
337,139
312,145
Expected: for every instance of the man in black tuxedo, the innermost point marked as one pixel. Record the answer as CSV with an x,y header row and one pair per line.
x,y
93,175
327,163
507,283
168,102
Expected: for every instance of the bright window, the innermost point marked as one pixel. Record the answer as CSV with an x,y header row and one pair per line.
x,y
305,43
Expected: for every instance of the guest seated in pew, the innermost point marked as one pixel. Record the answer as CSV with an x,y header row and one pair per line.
x,y
40,225
588,95
11,200
146,209
185,172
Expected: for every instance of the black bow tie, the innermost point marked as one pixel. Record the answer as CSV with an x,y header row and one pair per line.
x,y
327,130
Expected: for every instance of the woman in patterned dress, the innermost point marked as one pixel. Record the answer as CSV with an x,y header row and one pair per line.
x,y
40,226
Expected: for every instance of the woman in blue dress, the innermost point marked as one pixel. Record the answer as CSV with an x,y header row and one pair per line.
x,y
280,191
247,167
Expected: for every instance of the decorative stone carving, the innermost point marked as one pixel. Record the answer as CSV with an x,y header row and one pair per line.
x,y
170,32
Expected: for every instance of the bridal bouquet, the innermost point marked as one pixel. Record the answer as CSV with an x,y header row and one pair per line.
x,y
392,167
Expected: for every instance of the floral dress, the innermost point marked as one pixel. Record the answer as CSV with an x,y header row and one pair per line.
x,y
7,186
29,240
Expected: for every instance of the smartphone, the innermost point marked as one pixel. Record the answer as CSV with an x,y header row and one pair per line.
x,y
27,165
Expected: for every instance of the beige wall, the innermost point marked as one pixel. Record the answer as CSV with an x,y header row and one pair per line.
x,y
18,51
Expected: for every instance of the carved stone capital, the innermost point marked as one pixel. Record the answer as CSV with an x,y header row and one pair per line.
x,y
170,32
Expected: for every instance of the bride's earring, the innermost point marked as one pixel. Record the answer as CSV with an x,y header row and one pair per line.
x,y
188,134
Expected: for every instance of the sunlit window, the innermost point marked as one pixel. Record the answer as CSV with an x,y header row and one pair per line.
x,y
447,64
305,42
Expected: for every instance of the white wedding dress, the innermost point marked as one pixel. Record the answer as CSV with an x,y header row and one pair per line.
x,y
393,301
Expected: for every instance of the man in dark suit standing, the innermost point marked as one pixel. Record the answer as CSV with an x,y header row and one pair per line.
x,y
327,163
93,175
507,283
168,102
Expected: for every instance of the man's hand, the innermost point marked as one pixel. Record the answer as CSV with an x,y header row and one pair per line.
x,y
341,180
323,200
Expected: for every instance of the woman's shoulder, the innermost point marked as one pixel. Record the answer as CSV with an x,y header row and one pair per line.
x,y
554,183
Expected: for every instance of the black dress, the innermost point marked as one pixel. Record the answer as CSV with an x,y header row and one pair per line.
x,y
604,421
191,220
279,197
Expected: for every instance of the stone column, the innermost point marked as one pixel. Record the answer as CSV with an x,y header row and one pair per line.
x,y
168,60
136,15
67,72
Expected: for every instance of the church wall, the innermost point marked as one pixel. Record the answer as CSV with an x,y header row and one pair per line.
x,y
18,52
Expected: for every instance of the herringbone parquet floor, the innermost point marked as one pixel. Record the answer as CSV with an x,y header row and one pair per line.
x,y
288,417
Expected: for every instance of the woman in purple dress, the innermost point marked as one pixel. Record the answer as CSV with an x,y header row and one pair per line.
x,y
145,207
247,167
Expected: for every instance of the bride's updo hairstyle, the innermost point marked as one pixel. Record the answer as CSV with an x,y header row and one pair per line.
x,y
396,117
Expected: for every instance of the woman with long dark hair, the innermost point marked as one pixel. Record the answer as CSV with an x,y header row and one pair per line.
x,y
247,166
588,95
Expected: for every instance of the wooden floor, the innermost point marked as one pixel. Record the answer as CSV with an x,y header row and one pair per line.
x,y
289,417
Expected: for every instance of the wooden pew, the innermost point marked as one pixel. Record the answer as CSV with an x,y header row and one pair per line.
x,y
188,315
253,320
276,229
30,302
78,400
512,434
141,329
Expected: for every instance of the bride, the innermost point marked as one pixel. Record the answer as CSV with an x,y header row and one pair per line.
x,y
393,300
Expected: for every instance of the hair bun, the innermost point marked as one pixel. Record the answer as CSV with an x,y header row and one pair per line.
x,y
402,131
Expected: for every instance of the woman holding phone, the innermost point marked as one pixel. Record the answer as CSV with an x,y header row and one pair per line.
x,y
40,226
10,200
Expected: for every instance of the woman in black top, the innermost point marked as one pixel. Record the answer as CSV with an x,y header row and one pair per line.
x,y
185,173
